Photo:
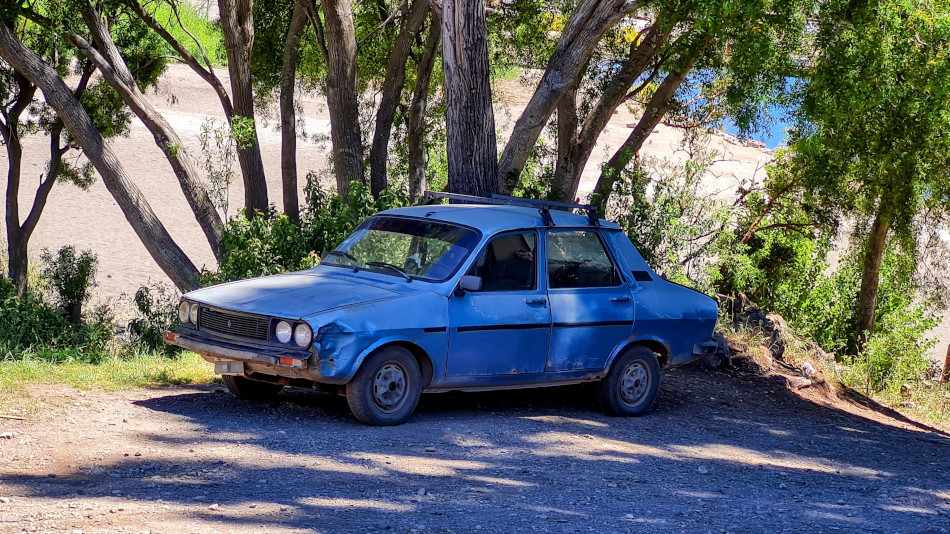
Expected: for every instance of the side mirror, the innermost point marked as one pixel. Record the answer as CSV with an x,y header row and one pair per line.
x,y
469,283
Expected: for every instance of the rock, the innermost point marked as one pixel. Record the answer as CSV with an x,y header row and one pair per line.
x,y
702,470
6,435
283,508
199,497
629,516
98,471
115,474
421,492
611,485
213,507
4,500
430,449
783,486
809,370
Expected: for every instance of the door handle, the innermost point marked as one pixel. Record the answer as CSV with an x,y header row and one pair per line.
x,y
619,299
540,300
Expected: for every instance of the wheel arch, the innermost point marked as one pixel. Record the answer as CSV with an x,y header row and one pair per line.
x,y
422,358
657,345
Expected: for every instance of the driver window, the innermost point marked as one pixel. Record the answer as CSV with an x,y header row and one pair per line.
x,y
507,263
578,259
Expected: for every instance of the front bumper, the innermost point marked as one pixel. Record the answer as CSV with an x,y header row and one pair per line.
x,y
212,349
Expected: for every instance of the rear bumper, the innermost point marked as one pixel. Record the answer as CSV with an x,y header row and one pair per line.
x,y
212,349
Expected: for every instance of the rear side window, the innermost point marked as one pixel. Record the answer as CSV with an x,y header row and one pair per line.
x,y
508,263
577,258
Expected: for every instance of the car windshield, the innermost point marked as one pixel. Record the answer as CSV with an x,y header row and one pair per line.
x,y
399,246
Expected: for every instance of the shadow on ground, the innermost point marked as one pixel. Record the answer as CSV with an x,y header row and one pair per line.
x,y
720,452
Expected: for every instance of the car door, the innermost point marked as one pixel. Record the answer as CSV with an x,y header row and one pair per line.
x,y
591,306
503,328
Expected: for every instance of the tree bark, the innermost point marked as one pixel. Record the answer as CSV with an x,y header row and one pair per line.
x,y
871,274
563,188
417,109
342,94
288,114
567,172
237,25
17,261
116,72
655,109
588,23
391,93
469,117
150,230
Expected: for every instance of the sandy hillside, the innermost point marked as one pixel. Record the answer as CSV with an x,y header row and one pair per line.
x,y
92,220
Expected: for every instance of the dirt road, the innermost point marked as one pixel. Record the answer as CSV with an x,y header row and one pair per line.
x,y
721,452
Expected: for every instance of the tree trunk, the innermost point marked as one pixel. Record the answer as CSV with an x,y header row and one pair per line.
x,y
288,114
870,275
16,246
655,110
391,94
417,109
116,72
588,23
469,118
150,230
205,71
237,25
567,173
563,188
17,258
342,95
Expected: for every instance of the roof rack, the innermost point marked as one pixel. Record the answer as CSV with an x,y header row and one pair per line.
x,y
543,206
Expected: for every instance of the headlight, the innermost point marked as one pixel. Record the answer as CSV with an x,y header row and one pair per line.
x,y
302,335
283,331
194,314
183,311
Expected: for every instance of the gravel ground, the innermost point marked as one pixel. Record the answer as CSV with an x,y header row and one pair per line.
x,y
722,451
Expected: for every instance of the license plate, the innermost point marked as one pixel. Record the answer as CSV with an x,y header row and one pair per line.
x,y
227,367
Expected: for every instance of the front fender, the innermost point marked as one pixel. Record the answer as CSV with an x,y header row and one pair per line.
x,y
345,338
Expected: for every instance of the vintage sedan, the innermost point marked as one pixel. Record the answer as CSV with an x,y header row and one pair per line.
x,y
497,293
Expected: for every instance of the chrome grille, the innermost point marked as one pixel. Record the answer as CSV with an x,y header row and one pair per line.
x,y
232,324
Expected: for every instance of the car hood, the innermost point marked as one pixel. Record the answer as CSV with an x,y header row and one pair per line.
x,y
292,295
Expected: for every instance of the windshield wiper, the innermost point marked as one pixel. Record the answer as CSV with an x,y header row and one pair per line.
x,y
390,266
346,255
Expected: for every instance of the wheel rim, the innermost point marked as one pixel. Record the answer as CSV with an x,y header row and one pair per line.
x,y
634,383
389,387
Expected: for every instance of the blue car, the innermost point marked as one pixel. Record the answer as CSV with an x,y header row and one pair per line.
x,y
497,293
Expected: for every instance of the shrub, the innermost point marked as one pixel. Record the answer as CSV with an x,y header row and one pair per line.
x,y
156,312
71,277
270,243
29,325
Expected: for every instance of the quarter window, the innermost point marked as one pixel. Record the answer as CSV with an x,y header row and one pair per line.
x,y
508,263
577,258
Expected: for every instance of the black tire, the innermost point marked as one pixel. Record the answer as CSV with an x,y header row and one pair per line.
x,y
632,383
252,390
385,390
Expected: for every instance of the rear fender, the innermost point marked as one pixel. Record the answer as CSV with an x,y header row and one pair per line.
x,y
653,343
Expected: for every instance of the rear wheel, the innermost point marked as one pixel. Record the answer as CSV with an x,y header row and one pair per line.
x,y
247,389
385,391
632,383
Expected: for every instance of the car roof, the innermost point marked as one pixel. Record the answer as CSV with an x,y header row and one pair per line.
x,y
490,219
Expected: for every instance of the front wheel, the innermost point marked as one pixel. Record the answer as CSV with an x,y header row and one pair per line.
x,y
386,388
632,383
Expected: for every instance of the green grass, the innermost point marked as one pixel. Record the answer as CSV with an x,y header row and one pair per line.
x,y
207,33
111,374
